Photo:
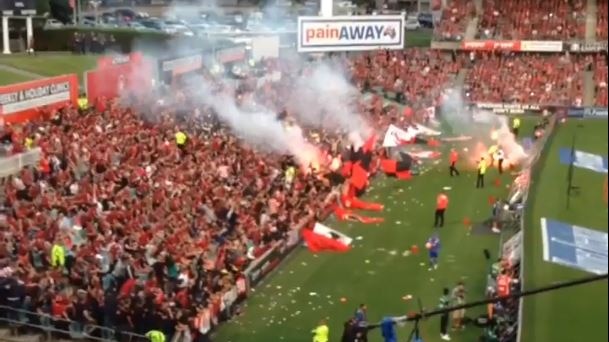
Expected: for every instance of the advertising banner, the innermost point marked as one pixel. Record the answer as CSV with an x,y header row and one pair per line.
x,y
345,33
513,45
117,75
25,101
588,47
231,55
508,108
588,112
265,264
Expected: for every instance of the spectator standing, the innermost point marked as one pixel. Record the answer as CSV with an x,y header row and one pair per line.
x,y
441,206
444,319
454,156
481,171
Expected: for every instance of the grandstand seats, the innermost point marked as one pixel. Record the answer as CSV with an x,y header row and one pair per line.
x,y
600,78
532,19
454,20
602,22
527,78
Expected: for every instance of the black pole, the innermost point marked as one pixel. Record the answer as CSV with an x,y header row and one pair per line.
x,y
421,315
570,171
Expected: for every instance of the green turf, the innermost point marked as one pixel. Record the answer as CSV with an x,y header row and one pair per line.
x,y
282,308
7,77
419,38
580,313
52,64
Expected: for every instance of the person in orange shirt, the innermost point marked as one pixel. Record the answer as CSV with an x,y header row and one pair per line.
x,y
453,162
441,205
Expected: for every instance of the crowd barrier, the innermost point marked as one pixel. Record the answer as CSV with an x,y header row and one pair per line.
x,y
13,164
17,319
513,248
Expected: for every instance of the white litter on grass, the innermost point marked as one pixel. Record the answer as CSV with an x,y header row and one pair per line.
x,y
278,287
406,253
298,312
398,222
303,263
447,188
380,249
431,279
359,238
400,190
328,296
331,302
293,301
312,294
371,272
367,261
291,272
422,264
407,297
393,252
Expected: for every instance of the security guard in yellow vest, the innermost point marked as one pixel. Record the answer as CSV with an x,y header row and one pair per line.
x,y
516,126
481,171
181,139
83,103
289,175
321,333
155,336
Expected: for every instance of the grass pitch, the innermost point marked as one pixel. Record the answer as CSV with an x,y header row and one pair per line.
x,y
578,313
375,272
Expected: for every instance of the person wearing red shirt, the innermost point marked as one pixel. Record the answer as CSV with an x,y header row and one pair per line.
x,y
454,156
441,205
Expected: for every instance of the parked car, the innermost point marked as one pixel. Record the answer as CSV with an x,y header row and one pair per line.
x,y
426,20
412,24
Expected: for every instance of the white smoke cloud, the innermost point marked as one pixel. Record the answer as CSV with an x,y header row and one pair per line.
x,y
485,127
323,97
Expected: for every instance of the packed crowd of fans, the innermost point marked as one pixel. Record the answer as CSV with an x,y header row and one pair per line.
x,y
416,76
527,78
602,22
165,230
455,19
600,78
541,20
121,227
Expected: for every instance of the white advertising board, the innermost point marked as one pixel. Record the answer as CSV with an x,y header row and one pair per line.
x,y
350,33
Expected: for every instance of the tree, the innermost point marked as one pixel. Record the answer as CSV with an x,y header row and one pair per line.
x,y
61,10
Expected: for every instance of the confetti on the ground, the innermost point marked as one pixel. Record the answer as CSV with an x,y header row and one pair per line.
x,y
367,261
422,264
393,252
407,297
398,222
303,263
359,237
447,188
431,279
278,287
312,293
406,253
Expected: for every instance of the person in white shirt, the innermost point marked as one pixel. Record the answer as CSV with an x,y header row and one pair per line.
x,y
500,157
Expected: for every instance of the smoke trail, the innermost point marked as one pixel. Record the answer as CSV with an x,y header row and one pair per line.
x,y
259,128
485,127
324,98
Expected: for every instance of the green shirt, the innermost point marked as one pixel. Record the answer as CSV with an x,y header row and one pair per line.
x,y
444,302
155,336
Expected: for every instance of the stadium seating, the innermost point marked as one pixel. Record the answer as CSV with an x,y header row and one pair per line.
x,y
535,20
600,77
454,20
601,24
526,78
120,196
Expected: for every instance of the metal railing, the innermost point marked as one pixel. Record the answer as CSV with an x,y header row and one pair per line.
x,y
13,164
55,327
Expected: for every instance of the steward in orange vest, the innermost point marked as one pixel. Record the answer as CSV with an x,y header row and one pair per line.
x,y
441,205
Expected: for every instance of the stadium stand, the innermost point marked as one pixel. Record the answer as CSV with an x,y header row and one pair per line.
x,y
600,76
454,20
535,20
601,23
527,78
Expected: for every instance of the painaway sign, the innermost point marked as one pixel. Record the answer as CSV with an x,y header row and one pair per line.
x,y
361,33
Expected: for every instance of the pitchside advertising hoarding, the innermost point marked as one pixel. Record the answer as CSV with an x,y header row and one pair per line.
x,y
26,101
117,74
357,33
